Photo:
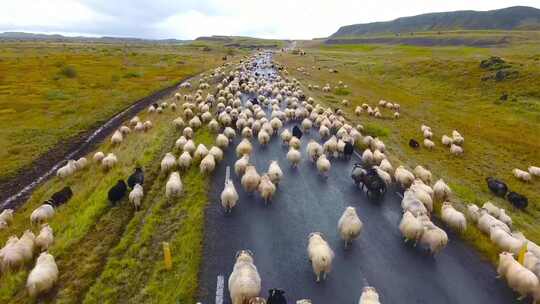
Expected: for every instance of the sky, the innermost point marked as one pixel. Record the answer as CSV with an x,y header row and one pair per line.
x,y
188,19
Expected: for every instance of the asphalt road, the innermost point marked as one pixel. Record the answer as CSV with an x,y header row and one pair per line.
x,y
305,202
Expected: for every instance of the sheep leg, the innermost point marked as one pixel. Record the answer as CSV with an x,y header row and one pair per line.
x,y
324,275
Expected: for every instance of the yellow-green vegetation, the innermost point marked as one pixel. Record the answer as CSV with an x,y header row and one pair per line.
x,y
111,254
53,91
445,88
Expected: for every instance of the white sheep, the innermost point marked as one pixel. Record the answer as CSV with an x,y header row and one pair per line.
x,y
349,225
266,188
180,142
27,245
244,148
330,146
505,218
386,166
411,227
412,204
473,212
294,142
217,153
189,147
250,180
453,218
263,137
441,190
404,177
446,140
423,174
314,150
422,195
387,178
147,125
286,136
67,170
492,209
324,131
179,123
323,165
208,164
519,278
229,132
11,255
367,157
306,124
456,150
240,165
174,186
244,281
117,138
6,216
378,156
222,141
136,195
369,296
429,144
505,240
188,132
109,161
200,153
45,238
534,171
168,162
229,196
139,127
434,238
486,221
42,214
184,161
43,276
274,172
294,157
320,254
124,130
98,156
524,176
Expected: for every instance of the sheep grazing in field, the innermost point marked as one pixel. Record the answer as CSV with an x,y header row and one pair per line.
x,y
441,190
168,162
42,214
486,221
446,140
294,157
294,142
369,296
240,165
139,127
427,134
98,156
200,153
275,173
137,177
117,192
250,180
518,200
189,147
217,153
457,138
208,164
179,123
6,217
229,196
323,165
404,177
423,174
411,227
534,171
67,170
266,188
286,136
45,238
429,144
320,254
43,276
456,150
147,125
109,161
244,281
349,225
184,161
133,122
27,245
434,238
505,240
222,141
188,132
473,212
244,148
453,218
263,137
125,130
492,209
117,138
195,123
135,196
519,278
174,186
505,218
523,176
11,255
414,144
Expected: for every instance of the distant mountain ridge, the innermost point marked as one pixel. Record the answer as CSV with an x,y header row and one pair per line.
x,y
23,36
511,18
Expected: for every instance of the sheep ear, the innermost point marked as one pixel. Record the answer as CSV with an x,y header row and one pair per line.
x,y
238,254
250,252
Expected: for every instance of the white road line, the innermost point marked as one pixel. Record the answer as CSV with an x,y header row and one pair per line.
x,y
219,289
357,154
399,194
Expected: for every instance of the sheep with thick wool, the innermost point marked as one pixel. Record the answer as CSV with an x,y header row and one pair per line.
x,y
117,138
200,153
229,196
486,221
168,162
441,190
43,276
523,176
274,172
98,156
320,254
534,171
411,227
208,164
266,188
519,278
42,214
369,296
294,157
244,148
222,141
244,281
263,137
314,150
240,165
45,238
385,165
251,179
323,165
404,177
453,218
109,161
423,174
434,238
136,196
349,225
217,153
67,170
184,161
11,255
174,186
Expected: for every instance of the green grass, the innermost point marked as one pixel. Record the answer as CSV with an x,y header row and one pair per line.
x,y
443,88
53,91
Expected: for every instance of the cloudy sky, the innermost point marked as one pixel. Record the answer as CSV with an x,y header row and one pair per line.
x,y
188,19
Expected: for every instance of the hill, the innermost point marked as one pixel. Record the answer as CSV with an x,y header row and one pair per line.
x,y
511,18
22,36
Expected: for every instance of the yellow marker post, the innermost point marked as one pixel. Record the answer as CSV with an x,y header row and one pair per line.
x,y
521,255
167,255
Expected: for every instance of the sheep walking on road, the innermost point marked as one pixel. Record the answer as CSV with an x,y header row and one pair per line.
x,y
320,254
244,281
229,196
369,296
349,226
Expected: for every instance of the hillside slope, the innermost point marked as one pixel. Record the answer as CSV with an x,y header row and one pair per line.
x,y
511,18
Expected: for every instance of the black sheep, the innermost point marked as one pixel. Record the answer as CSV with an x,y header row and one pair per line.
x,y
276,296
496,186
518,200
117,192
414,144
296,132
61,197
155,105
136,178
348,150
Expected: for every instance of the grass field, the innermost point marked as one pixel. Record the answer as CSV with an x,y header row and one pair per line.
x,y
442,87
53,91
111,254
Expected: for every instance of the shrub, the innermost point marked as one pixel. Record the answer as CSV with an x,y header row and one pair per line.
x,y
341,91
68,71
133,75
